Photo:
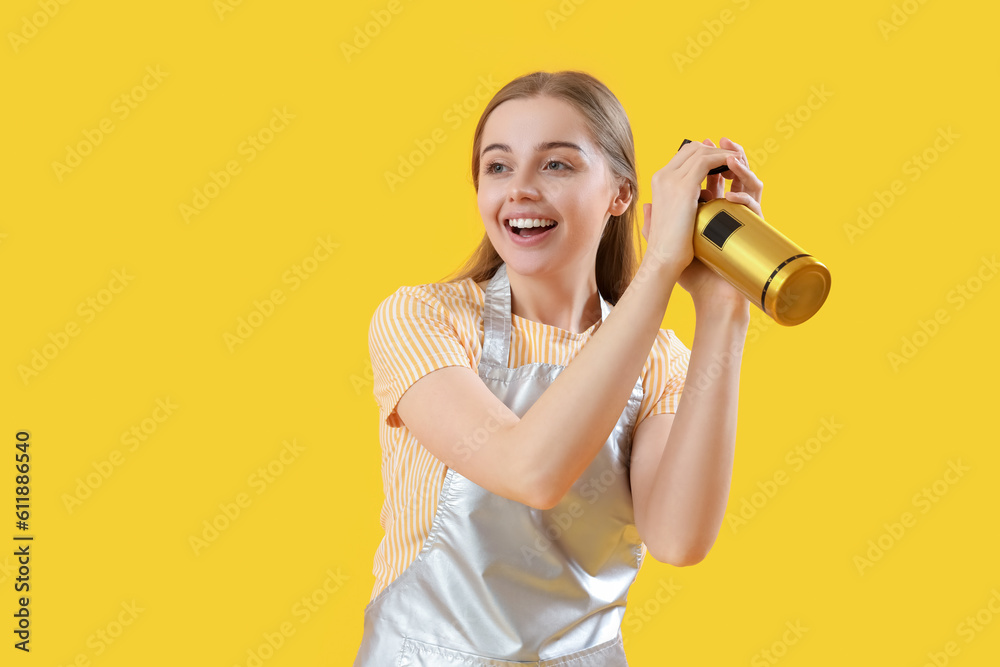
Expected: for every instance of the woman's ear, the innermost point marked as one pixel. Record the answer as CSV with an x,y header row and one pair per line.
x,y
622,199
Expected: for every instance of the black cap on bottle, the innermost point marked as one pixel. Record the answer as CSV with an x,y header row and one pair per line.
x,y
717,170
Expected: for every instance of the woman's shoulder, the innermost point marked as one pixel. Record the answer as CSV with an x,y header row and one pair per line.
x,y
459,297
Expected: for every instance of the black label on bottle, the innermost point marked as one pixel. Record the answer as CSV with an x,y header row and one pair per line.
x,y
720,228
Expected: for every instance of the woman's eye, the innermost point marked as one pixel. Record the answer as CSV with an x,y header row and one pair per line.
x,y
498,167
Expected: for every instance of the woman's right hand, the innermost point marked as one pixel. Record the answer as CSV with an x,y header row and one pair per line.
x,y
676,189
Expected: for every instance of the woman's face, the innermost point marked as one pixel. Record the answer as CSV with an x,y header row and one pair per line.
x,y
538,161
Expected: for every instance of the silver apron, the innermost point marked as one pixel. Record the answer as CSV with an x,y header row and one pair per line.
x,y
499,583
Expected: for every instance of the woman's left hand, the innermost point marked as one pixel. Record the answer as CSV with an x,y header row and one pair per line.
x,y
705,285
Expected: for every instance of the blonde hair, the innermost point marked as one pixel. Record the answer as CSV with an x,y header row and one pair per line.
x,y
617,260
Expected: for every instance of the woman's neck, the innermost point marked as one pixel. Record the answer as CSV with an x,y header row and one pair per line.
x,y
570,308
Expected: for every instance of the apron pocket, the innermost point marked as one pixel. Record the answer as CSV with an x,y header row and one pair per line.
x,y
421,654
609,654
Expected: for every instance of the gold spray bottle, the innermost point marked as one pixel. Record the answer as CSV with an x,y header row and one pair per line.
x,y
776,275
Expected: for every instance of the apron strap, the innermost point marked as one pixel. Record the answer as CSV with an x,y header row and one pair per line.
x,y
497,325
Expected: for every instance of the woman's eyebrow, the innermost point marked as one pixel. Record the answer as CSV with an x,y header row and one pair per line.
x,y
544,146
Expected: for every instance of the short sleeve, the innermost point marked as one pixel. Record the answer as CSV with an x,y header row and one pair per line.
x,y
412,333
669,370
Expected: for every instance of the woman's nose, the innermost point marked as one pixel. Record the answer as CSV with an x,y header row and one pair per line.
x,y
522,185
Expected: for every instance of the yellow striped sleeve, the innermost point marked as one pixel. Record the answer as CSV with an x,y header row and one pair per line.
x,y
667,372
412,333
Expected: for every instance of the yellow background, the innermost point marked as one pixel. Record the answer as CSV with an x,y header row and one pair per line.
x,y
303,375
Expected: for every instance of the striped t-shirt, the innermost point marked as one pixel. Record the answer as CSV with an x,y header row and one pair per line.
x,y
422,328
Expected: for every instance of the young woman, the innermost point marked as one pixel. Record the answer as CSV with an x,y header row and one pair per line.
x,y
535,442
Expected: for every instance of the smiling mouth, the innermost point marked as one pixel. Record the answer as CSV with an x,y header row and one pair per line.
x,y
530,227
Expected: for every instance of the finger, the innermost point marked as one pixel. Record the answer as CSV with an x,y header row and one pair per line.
x,y
734,174
682,155
692,148
744,180
688,147
716,185
733,146
740,160
733,164
734,161
708,142
700,164
745,199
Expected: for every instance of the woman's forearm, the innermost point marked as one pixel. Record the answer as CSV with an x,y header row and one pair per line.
x,y
691,489
562,432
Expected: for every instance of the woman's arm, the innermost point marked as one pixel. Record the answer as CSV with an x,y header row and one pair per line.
x,y
682,463
536,458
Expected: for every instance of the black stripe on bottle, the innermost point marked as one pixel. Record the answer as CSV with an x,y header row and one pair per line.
x,y
773,274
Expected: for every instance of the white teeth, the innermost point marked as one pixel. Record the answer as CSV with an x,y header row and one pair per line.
x,y
531,222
